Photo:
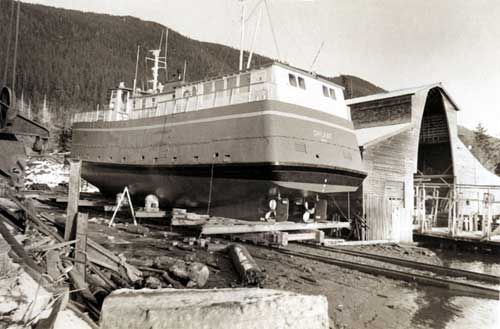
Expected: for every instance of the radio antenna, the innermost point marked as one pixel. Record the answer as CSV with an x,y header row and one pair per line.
x,y
317,55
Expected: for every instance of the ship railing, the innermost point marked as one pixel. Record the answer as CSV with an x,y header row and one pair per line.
x,y
238,95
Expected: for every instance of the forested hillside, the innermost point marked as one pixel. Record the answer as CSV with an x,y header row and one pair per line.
x,y
72,58
485,148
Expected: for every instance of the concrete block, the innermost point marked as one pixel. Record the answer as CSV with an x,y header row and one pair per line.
x,y
218,308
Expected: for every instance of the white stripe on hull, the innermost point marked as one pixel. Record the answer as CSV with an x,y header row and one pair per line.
x,y
221,118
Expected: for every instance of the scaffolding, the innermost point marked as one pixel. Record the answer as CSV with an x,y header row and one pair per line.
x,y
460,210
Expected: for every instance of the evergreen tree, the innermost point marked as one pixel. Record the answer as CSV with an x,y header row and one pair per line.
x,y
482,144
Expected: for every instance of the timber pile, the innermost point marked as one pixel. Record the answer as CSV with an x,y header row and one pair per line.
x,y
88,268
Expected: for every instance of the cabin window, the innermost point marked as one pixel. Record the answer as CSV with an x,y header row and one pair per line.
x,y
207,88
143,103
219,85
302,83
292,80
194,91
133,105
245,80
332,94
186,93
153,100
325,92
231,82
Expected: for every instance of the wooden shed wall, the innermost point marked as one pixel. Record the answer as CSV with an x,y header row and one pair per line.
x,y
393,160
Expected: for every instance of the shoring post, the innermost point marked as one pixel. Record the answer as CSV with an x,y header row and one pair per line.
x,y
73,198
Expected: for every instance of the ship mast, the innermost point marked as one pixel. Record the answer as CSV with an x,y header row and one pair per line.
x,y
159,62
242,35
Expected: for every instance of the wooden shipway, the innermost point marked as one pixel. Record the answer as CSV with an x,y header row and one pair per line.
x,y
464,288
231,226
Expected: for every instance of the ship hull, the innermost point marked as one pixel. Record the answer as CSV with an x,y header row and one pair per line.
x,y
231,159
240,191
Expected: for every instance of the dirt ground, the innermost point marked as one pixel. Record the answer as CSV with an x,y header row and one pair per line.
x,y
356,300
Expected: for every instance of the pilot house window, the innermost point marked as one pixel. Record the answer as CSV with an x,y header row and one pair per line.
x,y
332,94
325,92
302,83
292,80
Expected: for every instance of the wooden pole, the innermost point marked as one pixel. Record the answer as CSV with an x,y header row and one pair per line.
x,y
81,244
73,197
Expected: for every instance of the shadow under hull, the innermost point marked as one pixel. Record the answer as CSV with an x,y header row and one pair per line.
x,y
228,190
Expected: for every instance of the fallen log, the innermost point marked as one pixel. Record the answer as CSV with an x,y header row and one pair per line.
x,y
249,271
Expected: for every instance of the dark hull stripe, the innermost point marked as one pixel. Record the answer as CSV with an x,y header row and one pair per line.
x,y
256,171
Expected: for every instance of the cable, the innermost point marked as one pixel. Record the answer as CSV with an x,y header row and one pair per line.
x,y
272,29
210,189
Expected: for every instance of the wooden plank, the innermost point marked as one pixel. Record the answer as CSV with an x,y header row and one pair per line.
x,y
81,244
52,259
17,248
315,235
73,197
82,203
209,229
146,214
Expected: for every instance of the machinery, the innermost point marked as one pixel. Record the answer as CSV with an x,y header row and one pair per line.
x,y
12,149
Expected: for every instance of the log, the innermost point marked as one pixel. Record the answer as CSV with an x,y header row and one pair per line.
x,y
249,271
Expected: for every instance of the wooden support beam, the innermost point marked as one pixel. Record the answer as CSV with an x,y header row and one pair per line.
x,y
81,244
209,229
315,235
73,197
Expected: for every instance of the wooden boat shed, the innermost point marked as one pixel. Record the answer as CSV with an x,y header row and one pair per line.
x,y
409,138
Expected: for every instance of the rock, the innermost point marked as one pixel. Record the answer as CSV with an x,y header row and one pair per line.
x,y
137,229
221,308
187,271
152,282
196,273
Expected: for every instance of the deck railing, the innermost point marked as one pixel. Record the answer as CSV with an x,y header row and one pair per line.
x,y
254,92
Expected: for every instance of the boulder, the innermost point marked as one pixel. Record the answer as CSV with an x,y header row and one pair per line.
x,y
219,308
